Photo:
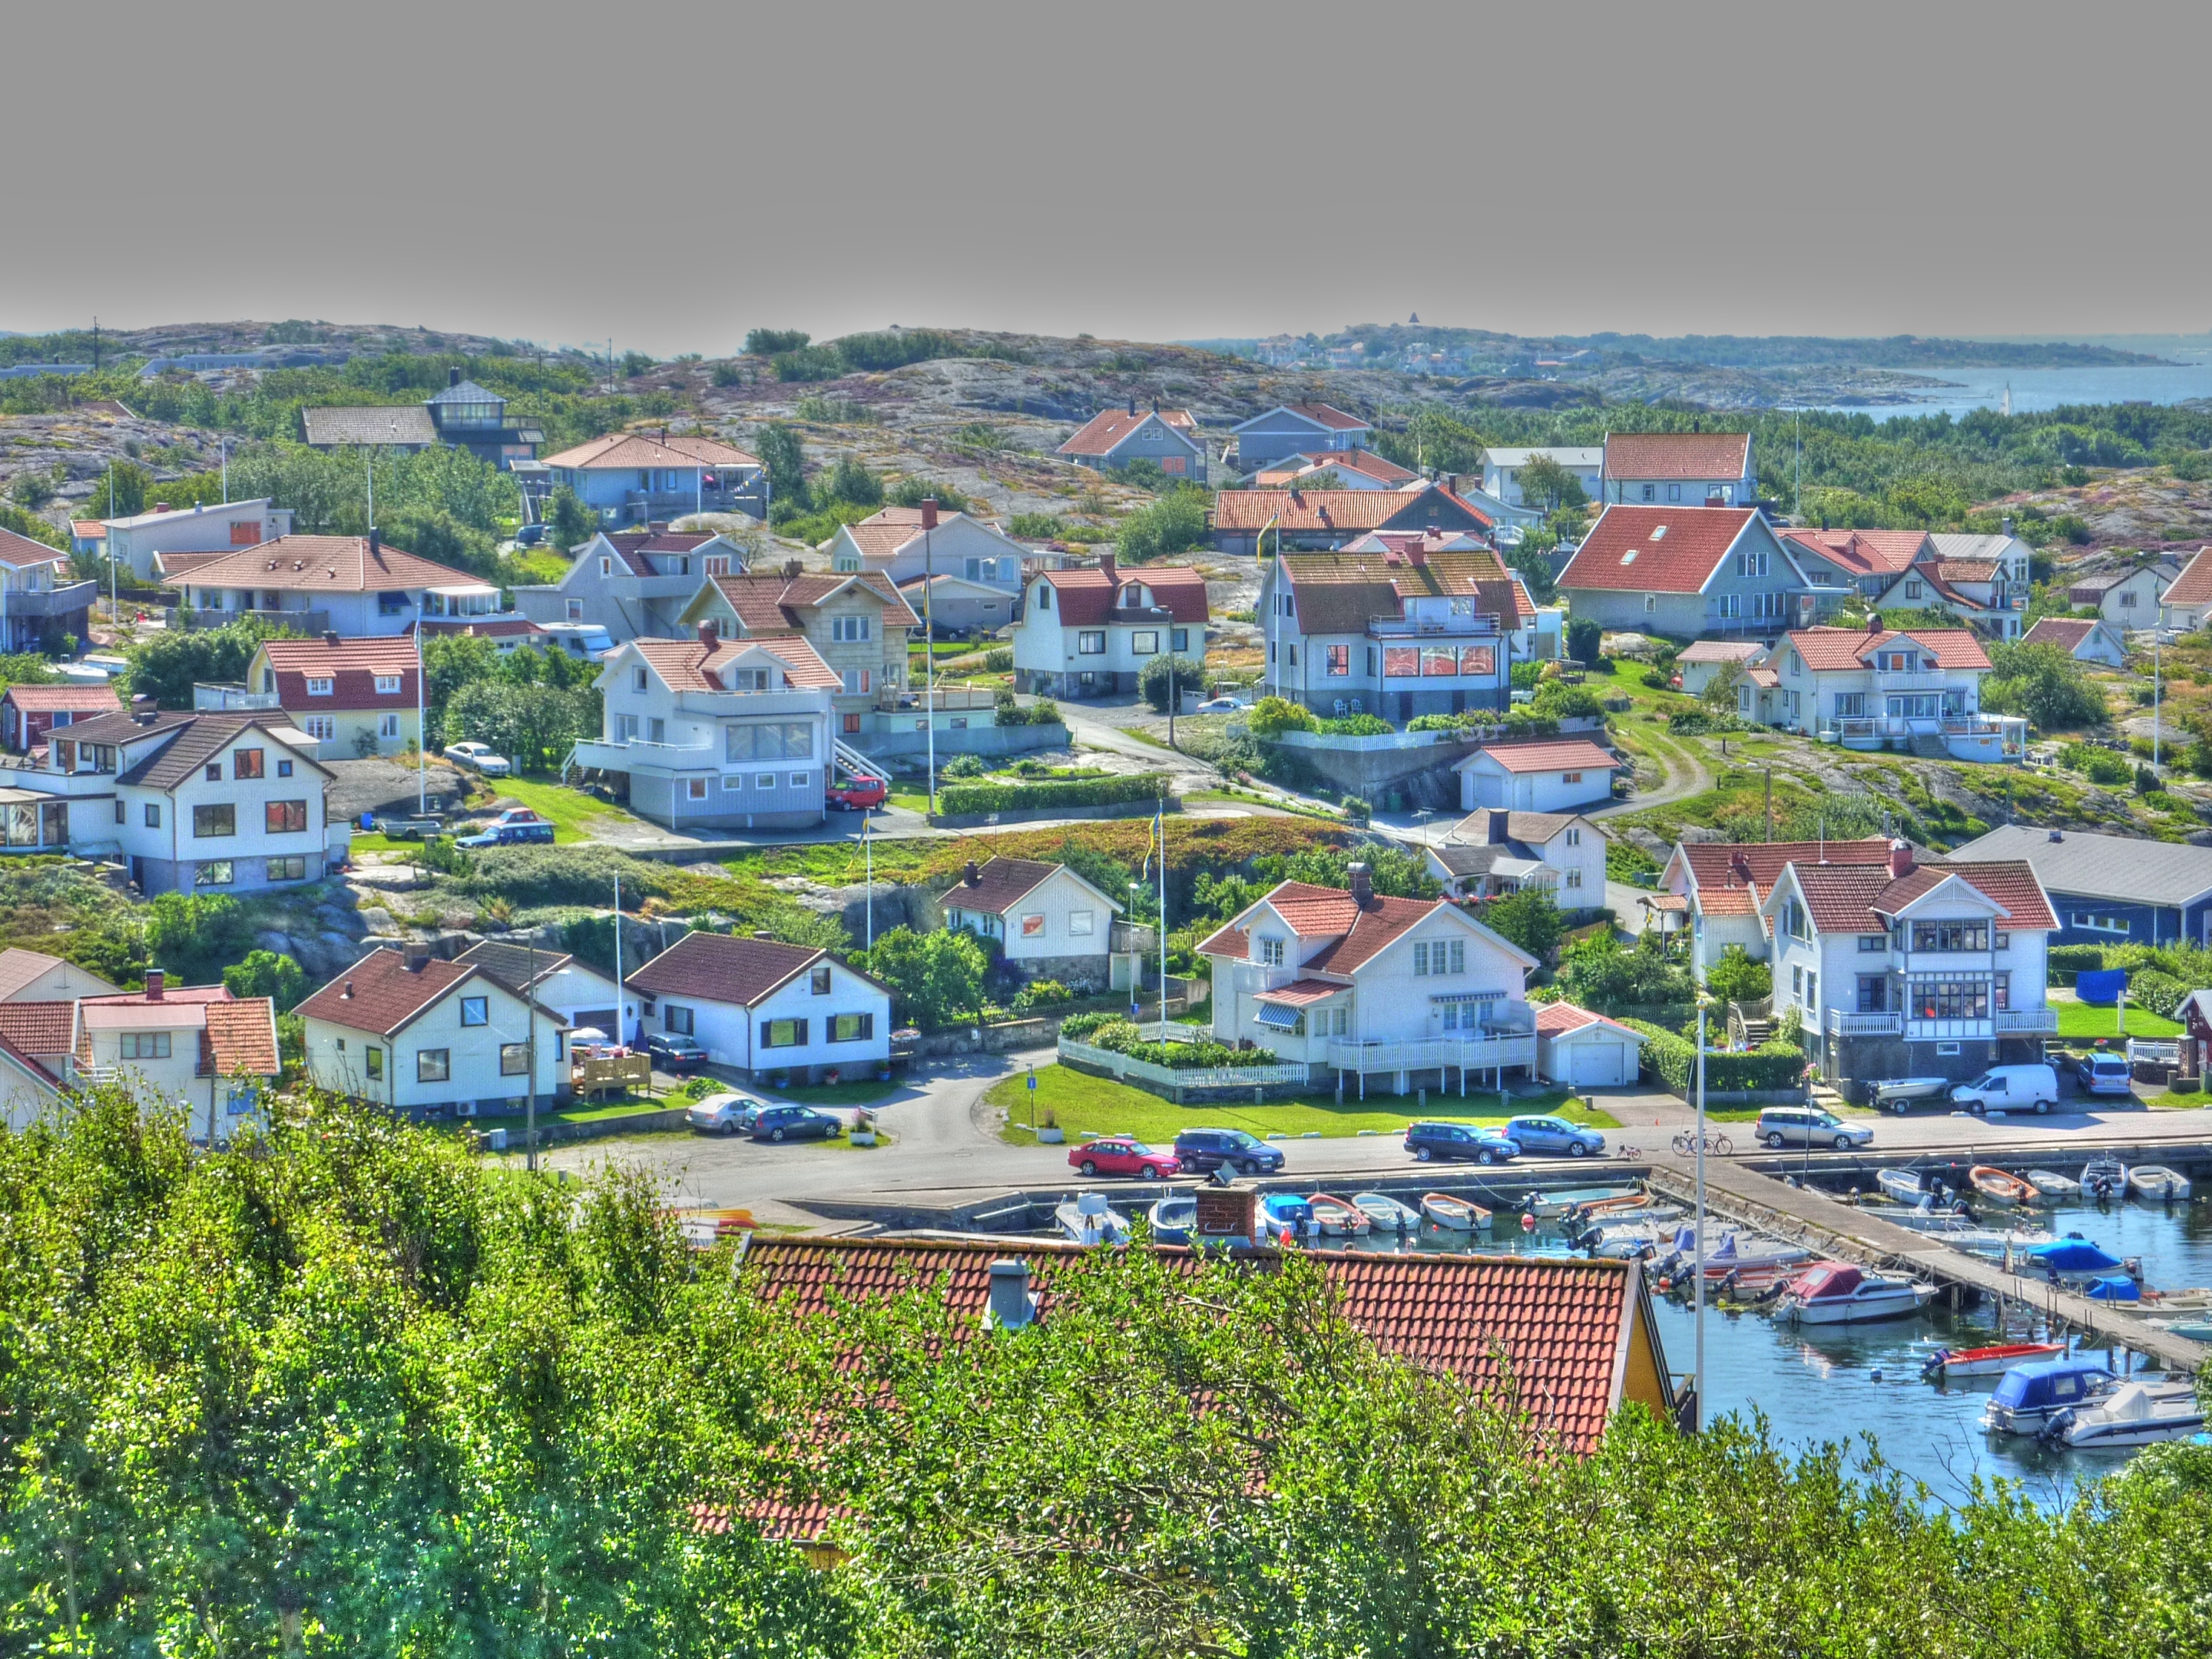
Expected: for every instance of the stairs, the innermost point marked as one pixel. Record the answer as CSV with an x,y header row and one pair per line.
x,y
1827,1099
852,760
1929,745
1754,1032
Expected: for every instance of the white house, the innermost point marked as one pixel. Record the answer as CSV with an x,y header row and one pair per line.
x,y
715,734
1979,591
355,698
425,1037
557,981
354,585
2004,548
914,547
1553,774
764,1008
1355,984
1088,632
1496,850
35,976
1685,571
1297,429
1501,469
2080,638
1874,689
1692,469
1049,922
1115,437
40,604
632,581
1722,885
1702,660
206,530
195,1046
2187,601
1584,1050
2126,598
1899,969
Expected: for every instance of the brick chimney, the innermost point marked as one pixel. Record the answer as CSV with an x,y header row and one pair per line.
x,y
1107,567
970,874
1417,553
1739,867
155,980
929,512
376,541
1363,887
1901,859
709,636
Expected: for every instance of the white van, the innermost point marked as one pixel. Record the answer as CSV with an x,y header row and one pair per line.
x,y
2009,1089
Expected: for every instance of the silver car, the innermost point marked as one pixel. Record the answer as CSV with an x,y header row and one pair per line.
x,y
724,1114
1809,1125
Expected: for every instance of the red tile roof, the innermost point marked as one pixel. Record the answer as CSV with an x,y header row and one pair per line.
x,y
688,665
1828,650
1328,512
33,1029
639,449
327,564
1864,552
91,530
1560,754
772,604
72,699
1365,462
19,550
1655,550
2065,632
2194,585
723,968
1102,431
1732,879
239,1038
631,546
1328,913
1087,597
381,993
1559,1018
1339,592
1228,942
1299,992
1700,456
1857,898
352,666
504,628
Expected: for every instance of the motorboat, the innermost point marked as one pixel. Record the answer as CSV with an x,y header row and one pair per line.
x,y
1931,1220
1898,1094
1949,1364
1910,1187
1087,1218
1457,1215
1339,1218
1590,1200
1622,1240
1839,1294
2103,1177
2198,1300
2069,1258
2053,1185
2133,1414
1285,1218
2113,1287
2001,1186
2198,1329
2157,1184
1749,1264
1991,1243
1386,1214
1174,1218
2026,1396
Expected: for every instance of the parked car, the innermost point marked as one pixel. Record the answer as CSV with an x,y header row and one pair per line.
x,y
1431,1143
797,1123
1809,1125
521,815
1122,1155
478,757
725,1115
531,535
1221,706
2009,1089
674,1054
1554,1137
857,795
2103,1074
509,835
1201,1151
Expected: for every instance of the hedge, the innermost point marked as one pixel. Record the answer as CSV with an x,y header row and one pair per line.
x,y
1672,1060
2156,992
1076,1027
1114,1034
1071,791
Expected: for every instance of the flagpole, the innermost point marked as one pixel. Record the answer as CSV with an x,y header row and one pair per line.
x,y
1163,914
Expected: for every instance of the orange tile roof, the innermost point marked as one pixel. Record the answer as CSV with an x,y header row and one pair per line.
x,y
1365,462
1829,650
21,550
1300,993
1655,550
33,1029
54,699
1868,552
2065,632
328,564
1559,1018
690,666
772,603
2194,585
1558,754
1228,942
1701,456
1311,512
639,449
91,530
1087,597
1732,879
239,1038
1860,897
1330,912
1102,431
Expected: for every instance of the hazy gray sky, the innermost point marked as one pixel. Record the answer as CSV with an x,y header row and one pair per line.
x,y
674,174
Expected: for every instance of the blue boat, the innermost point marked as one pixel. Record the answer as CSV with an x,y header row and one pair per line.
x,y
1285,1217
2071,1257
1174,1218
2027,1396
2116,1287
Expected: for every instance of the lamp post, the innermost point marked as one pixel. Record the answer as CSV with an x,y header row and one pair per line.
x,y
1697,1236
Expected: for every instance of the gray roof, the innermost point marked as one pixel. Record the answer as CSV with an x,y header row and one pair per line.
x,y
2100,867
1952,544
1462,860
381,423
466,392
512,965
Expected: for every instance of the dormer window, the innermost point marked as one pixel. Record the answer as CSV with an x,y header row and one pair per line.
x,y
1271,952
322,687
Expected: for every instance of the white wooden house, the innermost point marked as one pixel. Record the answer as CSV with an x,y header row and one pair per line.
x,y
768,1009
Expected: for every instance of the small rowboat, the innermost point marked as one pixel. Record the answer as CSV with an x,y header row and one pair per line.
x,y
1948,1364
1339,1218
1590,1200
1457,1215
2156,1181
2054,1186
2105,1177
2198,1300
1906,1186
1386,1214
2002,1187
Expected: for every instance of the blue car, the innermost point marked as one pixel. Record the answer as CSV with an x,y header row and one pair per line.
x,y
1554,1137
1431,1143
509,835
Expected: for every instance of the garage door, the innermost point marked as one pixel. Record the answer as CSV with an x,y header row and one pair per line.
x,y
1597,1064
602,1017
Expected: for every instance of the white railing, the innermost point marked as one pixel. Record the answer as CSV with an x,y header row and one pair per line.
x,y
1422,1054
1843,1024
1921,1031
620,756
1225,1077
2028,1019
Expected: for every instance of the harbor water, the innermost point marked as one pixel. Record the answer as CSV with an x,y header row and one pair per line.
x,y
2036,390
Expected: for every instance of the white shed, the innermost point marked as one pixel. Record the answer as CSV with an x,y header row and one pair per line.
x,y
1584,1050
1556,774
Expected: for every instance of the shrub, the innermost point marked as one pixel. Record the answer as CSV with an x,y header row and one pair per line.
x,y
1656,680
1736,978
1008,711
1357,811
1174,524
1526,674
1555,700
962,766
1698,722
1530,918
999,660
1154,679
1273,716
2156,992
1078,1028
1042,993
2077,958
2100,766
914,489
1113,1034
1074,792
1355,725
1584,638
2146,780
1672,1061
1198,1056
1437,723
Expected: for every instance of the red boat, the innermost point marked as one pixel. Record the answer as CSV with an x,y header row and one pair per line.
x,y
1950,1364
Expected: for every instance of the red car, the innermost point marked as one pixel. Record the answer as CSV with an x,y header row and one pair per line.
x,y
1123,1155
858,794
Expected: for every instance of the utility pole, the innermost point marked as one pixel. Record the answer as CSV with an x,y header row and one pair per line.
x,y
621,1035
1770,803
868,853
929,648
1697,1236
530,996
1164,912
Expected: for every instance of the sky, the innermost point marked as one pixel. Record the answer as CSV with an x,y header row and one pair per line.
x,y
671,176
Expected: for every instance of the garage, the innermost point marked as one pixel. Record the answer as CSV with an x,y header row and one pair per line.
x,y
1583,1050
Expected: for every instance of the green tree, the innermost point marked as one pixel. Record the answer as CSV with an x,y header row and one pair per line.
x,y
1602,975
2045,683
1394,871
123,490
1737,978
1175,523
935,978
166,665
768,341
914,489
524,722
852,481
1158,674
571,522
265,974
32,491
1433,441
1585,640
1546,483
785,458
1530,917
451,661
194,934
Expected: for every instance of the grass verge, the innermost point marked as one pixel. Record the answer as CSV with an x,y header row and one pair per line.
x,y
2087,1021
569,812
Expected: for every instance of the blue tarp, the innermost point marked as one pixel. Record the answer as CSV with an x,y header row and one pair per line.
x,y
2103,985
2070,1255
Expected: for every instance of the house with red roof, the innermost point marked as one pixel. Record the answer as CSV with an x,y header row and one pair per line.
x,y
356,586
644,478
632,581
1691,571
1687,469
2187,601
964,572
355,698
858,624
29,713
196,1045
1551,774
1877,688
1722,885
2082,639
1352,469
1115,437
1352,983
1584,1050
1088,631
1869,560
1980,592
1326,518
1297,429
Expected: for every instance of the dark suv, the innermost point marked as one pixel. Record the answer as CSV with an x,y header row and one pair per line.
x,y
1203,1150
1435,1142
674,1054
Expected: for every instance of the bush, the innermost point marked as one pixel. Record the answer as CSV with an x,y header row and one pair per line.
x,y
770,342
1043,711
1198,1056
1042,993
1357,811
1078,1028
807,364
1273,716
849,481
1697,723
2042,683
2100,766
1526,674
1174,524
999,660
1355,725
2146,780
968,798
1555,700
2077,958
1672,1060
1737,978
962,766
1154,679
2156,992
1656,679
1530,918
1585,639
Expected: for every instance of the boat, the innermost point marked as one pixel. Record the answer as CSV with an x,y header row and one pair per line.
x,y
2133,1414
1988,1242
2113,1287
2189,1301
2026,1396
1735,1255
2001,1186
1898,1094
1339,1218
1623,1240
1839,1294
1087,1218
1458,1215
2103,1177
1174,1218
2157,1182
2190,1330
2072,1257
2053,1185
1285,1218
1546,1205
1910,1187
1386,1214
1949,1364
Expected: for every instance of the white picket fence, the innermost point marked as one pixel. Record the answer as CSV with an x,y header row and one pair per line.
x,y
1143,1071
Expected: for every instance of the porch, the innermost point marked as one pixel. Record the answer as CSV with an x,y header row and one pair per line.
x,y
1403,1060
2004,1022
1961,737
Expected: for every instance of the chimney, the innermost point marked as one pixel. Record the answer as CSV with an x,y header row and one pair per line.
x,y
970,874
708,636
346,995
1231,1213
1739,867
1901,859
1497,817
376,541
1133,402
1417,554
763,933
929,512
791,569
142,709
155,978
453,376
1106,569
1012,1308
1363,889
2004,526
2058,835
418,957
331,637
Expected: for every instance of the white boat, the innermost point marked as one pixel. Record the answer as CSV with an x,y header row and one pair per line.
x,y
1339,1218
2105,1177
2157,1184
1546,1206
1088,1219
1909,1186
2133,1414
2051,1184
1386,1214
1457,1215
1839,1293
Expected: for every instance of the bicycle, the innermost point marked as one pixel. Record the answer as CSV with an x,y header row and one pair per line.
x,y
1719,1145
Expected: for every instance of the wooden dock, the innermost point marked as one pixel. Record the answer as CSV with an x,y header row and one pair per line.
x,y
1804,1215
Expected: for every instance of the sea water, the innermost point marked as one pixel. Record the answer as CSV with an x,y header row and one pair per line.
x,y
2035,390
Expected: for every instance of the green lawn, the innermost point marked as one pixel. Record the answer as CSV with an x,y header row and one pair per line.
x,y
1097,1105
2085,1020
867,1092
570,812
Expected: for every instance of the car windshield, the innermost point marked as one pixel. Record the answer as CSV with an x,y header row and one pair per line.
x,y
1828,1120
1238,1138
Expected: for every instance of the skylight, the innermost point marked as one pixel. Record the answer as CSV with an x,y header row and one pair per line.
x,y
1629,557
1659,532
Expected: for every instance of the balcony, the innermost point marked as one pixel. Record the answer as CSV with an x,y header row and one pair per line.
x,y
1433,1053
1843,1024
219,696
2015,1022
1483,626
1917,680
306,622
961,699
1138,937
638,754
52,601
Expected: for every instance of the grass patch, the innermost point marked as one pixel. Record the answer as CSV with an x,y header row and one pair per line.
x,y
2086,1021
629,1105
570,812
867,1092
1099,1105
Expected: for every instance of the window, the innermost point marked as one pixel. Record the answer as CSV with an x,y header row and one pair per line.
x,y
245,763
2002,942
656,729
1851,705
375,1057
1294,649
1458,956
1793,920
575,610
818,981
1574,837
119,811
2102,924
2002,989
769,741
1339,1022
215,772
434,1065
476,1010
514,1058
851,630
1950,936
153,814
1650,492
1570,777
1179,639
1751,564
1950,999
694,788
1079,924
606,566
145,1045
387,726
1874,994
1044,596
783,1033
717,564
1912,590
2127,601
1033,926
637,681
1091,642
1400,662
285,818
1574,878
1651,602
387,685
764,780
852,1028
625,728
321,727
288,869
1145,642
1871,943
677,1018
322,687
1797,981
1271,952
801,779
1674,492
220,819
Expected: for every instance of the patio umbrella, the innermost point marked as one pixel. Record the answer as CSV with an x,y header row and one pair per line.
x,y
587,1034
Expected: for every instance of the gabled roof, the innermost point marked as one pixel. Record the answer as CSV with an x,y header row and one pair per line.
x,y
1085,597
1104,431
1733,878
1365,462
1001,883
1959,545
329,564
1531,828
21,551
2104,582
192,740
692,665
1720,651
375,423
631,546
2066,632
381,993
1864,552
59,699
19,967
1828,650
1349,512
515,966
639,449
1862,897
1324,416
1554,755
773,604
466,391
724,968
1564,454
2077,862
1555,1019
352,666
2194,585
1657,549
1339,592
34,1030
1356,932
239,1038
1698,456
